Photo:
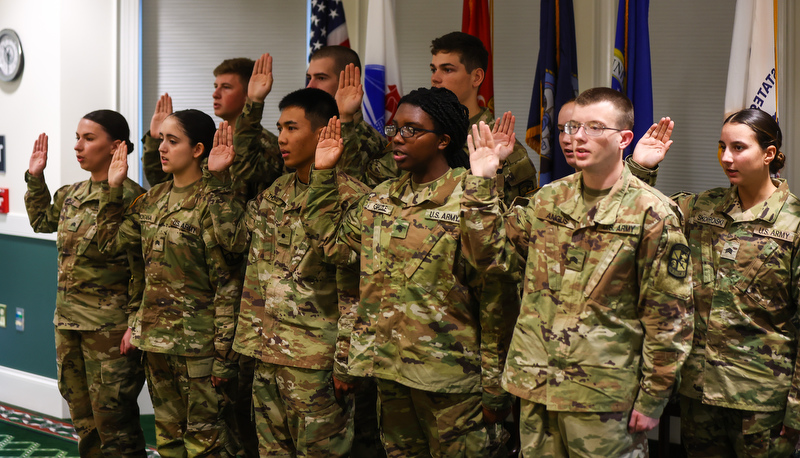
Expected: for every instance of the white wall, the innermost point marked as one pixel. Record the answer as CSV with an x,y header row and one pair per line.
x,y
70,51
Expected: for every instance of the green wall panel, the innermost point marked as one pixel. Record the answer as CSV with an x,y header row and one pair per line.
x,y
28,277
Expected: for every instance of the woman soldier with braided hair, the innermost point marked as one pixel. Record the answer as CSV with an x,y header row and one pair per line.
x,y
424,328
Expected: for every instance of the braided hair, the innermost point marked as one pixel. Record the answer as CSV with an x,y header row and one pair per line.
x,y
449,117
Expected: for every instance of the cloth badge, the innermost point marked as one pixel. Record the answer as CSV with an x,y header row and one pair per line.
x,y
448,217
678,260
284,236
400,229
575,259
379,207
729,250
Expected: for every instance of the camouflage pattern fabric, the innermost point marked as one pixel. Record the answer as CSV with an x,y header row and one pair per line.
x,y
101,387
606,317
297,413
188,409
421,423
550,434
711,431
289,309
519,173
362,143
422,320
641,172
746,265
238,412
366,431
192,286
93,288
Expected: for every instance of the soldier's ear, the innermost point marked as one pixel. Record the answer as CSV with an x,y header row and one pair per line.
x,y
444,140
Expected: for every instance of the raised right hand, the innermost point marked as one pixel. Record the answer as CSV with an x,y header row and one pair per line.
x,y
486,155
118,169
163,109
39,156
350,92
261,81
330,145
222,153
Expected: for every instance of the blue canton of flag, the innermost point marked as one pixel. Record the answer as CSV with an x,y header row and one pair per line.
x,y
327,25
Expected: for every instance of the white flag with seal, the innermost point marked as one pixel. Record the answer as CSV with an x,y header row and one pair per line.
x,y
382,89
752,75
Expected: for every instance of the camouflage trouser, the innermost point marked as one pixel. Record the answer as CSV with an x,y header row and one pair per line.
x,y
188,409
711,431
297,413
238,412
421,423
101,386
577,434
367,437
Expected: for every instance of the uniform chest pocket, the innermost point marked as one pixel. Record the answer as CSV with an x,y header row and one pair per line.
x,y
431,267
611,277
262,242
763,278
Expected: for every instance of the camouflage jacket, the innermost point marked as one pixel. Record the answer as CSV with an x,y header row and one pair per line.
x,y
289,310
96,292
606,317
421,320
192,286
362,144
746,290
519,173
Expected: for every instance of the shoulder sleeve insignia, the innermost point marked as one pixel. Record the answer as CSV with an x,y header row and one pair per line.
x,y
678,260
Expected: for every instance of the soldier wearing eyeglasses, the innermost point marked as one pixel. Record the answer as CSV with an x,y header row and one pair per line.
x,y
606,319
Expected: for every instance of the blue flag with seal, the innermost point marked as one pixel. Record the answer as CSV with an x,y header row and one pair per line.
x,y
630,67
555,83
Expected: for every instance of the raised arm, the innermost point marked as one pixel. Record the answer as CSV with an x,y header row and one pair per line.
x,y
42,215
230,229
117,227
151,161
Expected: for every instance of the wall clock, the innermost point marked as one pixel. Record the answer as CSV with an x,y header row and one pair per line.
x,y
10,55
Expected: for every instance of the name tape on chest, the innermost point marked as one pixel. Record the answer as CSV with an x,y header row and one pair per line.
x,y
186,227
787,236
557,219
272,198
710,219
147,218
620,228
438,215
378,207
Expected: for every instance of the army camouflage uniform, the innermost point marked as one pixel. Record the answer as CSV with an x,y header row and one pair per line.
x,y
95,296
606,317
519,173
186,321
740,382
422,329
290,320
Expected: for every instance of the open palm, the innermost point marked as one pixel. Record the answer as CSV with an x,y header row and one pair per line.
x,y
329,146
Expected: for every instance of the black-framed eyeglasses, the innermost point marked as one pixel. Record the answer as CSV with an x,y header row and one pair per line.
x,y
405,131
591,128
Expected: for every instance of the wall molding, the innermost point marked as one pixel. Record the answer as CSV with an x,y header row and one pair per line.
x,y
40,394
18,225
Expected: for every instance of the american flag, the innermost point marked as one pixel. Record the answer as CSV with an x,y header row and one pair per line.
x,y
328,27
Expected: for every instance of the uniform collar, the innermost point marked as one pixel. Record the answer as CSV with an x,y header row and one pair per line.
x,y
605,211
437,192
766,211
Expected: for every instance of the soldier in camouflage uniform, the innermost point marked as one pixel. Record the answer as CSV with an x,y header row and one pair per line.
x,y
290,313
422,329
185,324
99,374
740,382
606,311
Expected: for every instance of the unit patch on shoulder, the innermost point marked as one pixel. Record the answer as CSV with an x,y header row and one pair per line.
x,y
678,260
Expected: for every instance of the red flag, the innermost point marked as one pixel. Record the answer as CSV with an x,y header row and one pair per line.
x,y
476,20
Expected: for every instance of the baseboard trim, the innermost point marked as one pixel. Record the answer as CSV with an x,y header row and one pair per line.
x,y
40,394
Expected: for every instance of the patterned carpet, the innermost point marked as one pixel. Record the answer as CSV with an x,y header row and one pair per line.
x,y
28,434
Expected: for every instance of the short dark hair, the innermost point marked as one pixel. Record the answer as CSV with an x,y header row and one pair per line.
x,y
241,66
318,105
114,124
449,117
198,126
767,131
342,56
470,48
620,101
